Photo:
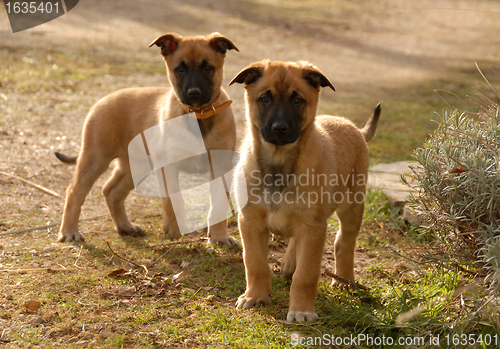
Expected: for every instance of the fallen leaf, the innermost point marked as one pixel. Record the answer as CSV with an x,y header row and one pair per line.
x,y
176,276
32,305
458,170
82,344
48,249
117,272
36,320
125,290
72,340
106,334
184,264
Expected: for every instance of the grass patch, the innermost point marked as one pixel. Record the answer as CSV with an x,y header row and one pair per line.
x,y
87,305
41,71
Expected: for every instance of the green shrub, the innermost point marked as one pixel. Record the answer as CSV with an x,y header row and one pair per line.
x,y
458,178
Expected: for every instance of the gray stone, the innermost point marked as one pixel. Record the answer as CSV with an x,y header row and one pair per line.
x,y
387,178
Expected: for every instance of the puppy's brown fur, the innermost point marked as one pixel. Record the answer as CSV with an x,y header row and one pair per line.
x,y
195,71
286,140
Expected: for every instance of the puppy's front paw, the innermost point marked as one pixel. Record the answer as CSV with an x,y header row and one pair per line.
x,y
70,236
218,234
246,302
301,316
172,231
131,230
225,240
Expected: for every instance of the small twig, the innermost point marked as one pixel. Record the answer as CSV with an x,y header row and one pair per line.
x,y
453,94
78,258
484,77
346,281
493,296
402,255
174,243
41,227
19,231
159,258
481,140
177,243
36,269
37,186
127,260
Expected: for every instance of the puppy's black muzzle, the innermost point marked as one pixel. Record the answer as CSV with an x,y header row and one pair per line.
x,y
195,86
282,126
196,96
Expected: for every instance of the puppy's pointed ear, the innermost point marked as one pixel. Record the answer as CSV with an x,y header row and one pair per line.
x,y
167,42
315,77
220,44
250,74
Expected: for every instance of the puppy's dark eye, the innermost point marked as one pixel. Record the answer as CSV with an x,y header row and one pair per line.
x,y
208,68
264,99
298,101
180,69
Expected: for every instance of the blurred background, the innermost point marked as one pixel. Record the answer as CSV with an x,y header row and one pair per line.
x,y
394,51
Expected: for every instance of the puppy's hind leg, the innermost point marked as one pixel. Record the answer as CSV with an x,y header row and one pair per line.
x,y
88,169
219,207
290,259
175,219
116,191
350,217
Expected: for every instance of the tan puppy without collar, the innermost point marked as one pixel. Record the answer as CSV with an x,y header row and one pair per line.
x,y
299,169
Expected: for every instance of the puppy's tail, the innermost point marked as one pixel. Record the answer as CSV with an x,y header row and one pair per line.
x,y
70,160
371,126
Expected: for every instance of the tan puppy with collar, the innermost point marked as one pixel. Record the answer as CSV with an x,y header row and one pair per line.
x,y
299,168
195,71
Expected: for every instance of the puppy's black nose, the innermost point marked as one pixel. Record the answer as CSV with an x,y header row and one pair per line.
x,y
279,128
194,92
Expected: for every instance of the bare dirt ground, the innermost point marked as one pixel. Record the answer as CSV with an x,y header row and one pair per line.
x,y
371,51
